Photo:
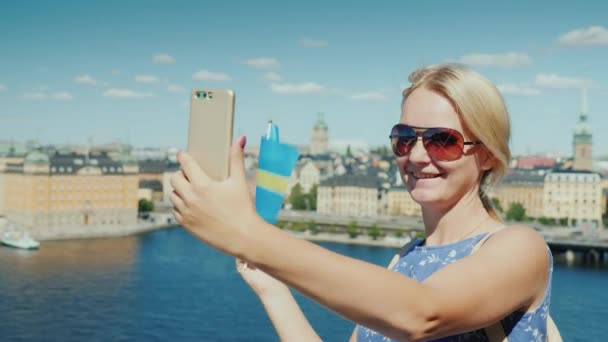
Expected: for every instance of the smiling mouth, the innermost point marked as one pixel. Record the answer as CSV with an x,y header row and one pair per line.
x,y
417,175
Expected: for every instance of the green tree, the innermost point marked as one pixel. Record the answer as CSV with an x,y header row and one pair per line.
x,y
352,230
563,221
299,227
297,198
349,152
145,206
496,204
374,232
398,233
516,212
313,227
312,198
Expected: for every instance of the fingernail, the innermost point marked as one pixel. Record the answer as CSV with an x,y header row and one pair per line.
x,y
243,141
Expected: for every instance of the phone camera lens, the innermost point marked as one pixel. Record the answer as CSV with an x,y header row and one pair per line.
x,y
201,94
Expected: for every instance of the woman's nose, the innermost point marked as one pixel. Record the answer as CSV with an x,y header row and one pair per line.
x,y
418,153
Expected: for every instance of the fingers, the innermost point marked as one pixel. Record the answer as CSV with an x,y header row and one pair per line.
x,y
237,163
178,202
181,186
178,215
242,265
191,169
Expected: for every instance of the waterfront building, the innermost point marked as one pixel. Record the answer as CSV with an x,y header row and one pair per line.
x,y
350,195
151,190
306,174
582,140
9,158
535,162
524,187
320,136
49,192
401,203
575,195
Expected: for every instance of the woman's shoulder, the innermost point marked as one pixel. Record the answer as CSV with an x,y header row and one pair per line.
x,y
519,234
521,243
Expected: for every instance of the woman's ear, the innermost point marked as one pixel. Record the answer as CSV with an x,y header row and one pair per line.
x,y
485,159
488,161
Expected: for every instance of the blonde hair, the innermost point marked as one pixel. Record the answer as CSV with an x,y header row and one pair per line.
x,y
481,109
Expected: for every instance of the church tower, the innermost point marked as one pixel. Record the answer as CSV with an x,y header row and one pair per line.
x,y
320,139
582,142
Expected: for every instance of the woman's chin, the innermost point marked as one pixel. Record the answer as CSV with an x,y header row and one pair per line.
x,y
426,196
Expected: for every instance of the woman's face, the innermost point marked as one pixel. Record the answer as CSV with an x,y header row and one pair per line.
x,y
430,181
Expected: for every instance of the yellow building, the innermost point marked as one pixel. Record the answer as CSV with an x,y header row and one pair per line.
x,y
524,187
72,189
576,195
4,161
400,203
349,195
605,195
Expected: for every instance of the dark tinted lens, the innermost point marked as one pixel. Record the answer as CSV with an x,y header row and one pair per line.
x,y
403,138
443,143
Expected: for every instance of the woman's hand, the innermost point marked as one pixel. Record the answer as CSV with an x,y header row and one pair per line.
x,y
260,282
217,212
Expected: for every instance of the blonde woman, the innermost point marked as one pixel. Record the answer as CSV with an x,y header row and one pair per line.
x,y
450,144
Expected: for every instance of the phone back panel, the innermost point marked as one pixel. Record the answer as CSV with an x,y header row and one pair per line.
x,y
210,130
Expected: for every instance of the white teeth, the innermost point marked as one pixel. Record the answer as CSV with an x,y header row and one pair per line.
x,y
423,175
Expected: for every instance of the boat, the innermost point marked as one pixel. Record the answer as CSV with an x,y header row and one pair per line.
x,y
18,239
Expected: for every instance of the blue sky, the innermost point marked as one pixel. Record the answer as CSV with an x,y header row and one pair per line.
x,y
120,71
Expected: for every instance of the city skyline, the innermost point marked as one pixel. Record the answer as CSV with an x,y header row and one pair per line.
x,y
121,72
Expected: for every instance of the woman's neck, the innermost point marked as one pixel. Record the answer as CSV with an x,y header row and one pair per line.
x,y
449,224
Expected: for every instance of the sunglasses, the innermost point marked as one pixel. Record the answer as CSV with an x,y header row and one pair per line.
x,y
443,144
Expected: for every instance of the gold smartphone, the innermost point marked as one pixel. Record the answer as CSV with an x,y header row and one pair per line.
x,y
210,130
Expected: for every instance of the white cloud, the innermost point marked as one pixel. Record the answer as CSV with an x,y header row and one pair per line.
x,y
272,77
263,63
124,94
40,95
518,90
163,59
591,36
175,88
559,82
500,60
369,96
3,87
62,96
205,75
86,79
147,79
35,96
299,88
313,43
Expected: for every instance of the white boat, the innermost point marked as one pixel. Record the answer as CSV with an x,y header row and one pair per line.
x,y
18,239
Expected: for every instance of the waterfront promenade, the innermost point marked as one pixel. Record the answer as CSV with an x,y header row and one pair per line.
x,y
394,232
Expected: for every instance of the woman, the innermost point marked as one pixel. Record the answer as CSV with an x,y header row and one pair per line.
x,y
451,142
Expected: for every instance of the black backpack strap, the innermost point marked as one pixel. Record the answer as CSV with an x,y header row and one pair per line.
x,y
409,246
403,251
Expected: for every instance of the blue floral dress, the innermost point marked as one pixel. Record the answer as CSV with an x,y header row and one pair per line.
x,y
419,262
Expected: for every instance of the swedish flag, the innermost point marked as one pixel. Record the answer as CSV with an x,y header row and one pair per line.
x,y
275,164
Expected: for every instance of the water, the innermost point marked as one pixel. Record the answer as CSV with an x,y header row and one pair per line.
x,y
167,286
